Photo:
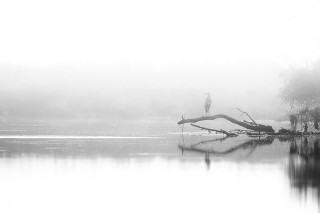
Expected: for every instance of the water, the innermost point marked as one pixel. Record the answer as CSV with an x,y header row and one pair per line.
x,y
148,166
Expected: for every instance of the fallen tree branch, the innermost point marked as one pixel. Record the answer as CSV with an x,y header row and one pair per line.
x,y
259,127
215,130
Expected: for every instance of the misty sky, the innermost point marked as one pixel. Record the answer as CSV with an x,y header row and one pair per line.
x,y
136,59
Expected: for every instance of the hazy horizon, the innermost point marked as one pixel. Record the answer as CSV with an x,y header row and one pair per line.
x,y
130,92
133,60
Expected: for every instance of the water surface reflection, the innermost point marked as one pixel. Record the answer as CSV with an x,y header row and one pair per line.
x,y
303,165
163,174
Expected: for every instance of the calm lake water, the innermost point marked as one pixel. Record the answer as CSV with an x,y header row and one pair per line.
x,y
149,166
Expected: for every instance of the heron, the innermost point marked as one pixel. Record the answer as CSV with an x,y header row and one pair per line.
x,y
207,104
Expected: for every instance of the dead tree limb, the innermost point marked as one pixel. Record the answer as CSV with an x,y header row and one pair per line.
x,y
259,127
215,130
247,115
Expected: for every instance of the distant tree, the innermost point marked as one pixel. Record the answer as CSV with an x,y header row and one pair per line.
x,y
301,91
302,87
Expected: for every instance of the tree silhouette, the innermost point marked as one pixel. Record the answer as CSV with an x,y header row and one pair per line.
x,y
301,87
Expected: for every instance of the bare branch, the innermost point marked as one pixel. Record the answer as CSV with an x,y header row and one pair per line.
x,y
247,115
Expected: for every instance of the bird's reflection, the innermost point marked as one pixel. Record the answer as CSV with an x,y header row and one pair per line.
x,y
207,160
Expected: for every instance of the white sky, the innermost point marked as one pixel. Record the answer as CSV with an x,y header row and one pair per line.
x,y
38,32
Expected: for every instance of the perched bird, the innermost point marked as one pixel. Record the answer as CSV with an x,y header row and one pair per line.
x,y
207,104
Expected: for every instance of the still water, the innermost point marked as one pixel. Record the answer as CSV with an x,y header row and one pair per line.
x,y
149,166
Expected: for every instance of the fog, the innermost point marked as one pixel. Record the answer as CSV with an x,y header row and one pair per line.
x,y
138,60
126,91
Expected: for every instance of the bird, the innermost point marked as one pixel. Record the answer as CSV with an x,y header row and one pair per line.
x,y
207,103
